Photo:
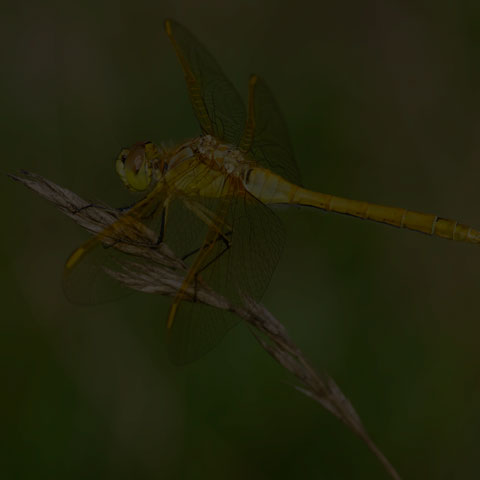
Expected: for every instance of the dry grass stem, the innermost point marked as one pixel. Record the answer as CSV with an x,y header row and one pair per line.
x,y
163,274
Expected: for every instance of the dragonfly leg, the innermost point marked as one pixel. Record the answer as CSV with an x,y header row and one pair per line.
x,y
221,237
213,221
161,235
77,210
212,261
127,208
101,207
85,207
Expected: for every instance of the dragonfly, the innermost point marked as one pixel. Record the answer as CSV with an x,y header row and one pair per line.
x,y
210,198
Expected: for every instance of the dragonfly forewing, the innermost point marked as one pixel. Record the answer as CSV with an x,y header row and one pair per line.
x,y
87,277
217,105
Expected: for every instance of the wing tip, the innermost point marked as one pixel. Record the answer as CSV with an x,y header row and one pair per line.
x,y
74,259
171,314
168,26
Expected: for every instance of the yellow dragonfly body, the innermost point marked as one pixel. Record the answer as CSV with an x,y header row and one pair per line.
x,y
209,198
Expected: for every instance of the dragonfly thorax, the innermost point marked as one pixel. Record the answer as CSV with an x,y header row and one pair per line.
x,y
221,156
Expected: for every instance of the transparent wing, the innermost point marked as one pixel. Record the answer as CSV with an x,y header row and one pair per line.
x,y
89,283
270,144
197,329
241,258
215,101
87,278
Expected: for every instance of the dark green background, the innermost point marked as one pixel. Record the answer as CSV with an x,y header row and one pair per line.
x,y
383,103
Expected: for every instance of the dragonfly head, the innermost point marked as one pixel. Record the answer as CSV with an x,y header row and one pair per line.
x,y
135,165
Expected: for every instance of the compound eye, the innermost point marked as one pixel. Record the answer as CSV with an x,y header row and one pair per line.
x,y
122,157
135,160
120,164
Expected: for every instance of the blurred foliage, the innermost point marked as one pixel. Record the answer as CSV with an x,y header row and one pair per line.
x,y
383,104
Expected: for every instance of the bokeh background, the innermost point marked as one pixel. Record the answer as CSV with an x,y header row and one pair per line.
x,y
382,99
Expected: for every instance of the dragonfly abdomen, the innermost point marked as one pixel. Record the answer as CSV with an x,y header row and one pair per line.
x,y
397,217
273,189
